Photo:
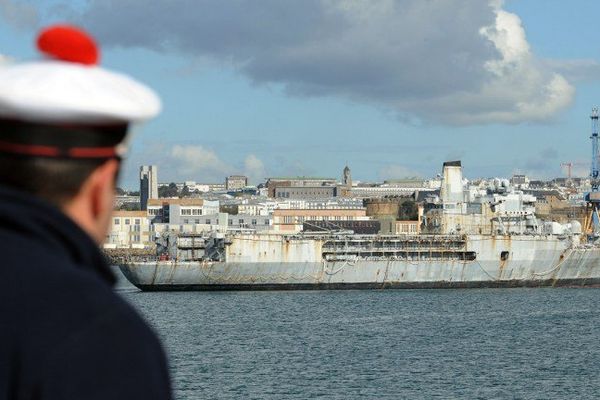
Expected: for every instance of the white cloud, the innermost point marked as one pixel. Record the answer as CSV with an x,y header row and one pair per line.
x,y
580,70
530,91
20,15
394,171
453,61
254,169
194,162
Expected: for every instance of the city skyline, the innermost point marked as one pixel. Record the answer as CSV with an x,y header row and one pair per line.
x,y
261,104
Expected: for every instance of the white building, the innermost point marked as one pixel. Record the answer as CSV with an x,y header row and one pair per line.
x,y
220,222
129,229
236,182
181,211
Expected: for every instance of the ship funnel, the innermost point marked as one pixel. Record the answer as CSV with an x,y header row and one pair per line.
x,y
452,182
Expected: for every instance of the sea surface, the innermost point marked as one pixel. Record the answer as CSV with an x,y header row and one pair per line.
x,y
379,344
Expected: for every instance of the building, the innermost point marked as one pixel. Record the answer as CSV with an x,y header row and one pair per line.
x,y
236,182
181,211
347,178
292,220
408,227
127,201
377,191
519,181
305,192
273,183
262,208
129,229
553,205
396,215
148,184
219,222
245,221
194,186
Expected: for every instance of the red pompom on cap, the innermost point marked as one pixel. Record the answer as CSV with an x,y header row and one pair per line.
x,y
68,43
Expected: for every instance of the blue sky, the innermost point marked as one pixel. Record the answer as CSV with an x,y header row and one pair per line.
x,y
391,88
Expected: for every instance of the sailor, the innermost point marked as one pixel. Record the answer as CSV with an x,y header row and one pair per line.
x,y
64,333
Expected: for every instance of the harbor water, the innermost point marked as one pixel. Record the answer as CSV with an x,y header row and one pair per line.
x,y
374,344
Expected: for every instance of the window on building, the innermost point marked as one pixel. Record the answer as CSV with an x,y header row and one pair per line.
x,y
230,222
197,221
253,222
208,222
117,221
266,222
186,211
241,221
186,221
137,221
127,221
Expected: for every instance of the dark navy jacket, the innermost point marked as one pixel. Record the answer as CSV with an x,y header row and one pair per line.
x,y
64,334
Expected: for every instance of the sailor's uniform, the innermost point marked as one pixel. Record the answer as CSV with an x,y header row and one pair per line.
x,y
64,333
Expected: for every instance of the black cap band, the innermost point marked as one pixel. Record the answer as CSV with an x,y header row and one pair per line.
x,y
61,140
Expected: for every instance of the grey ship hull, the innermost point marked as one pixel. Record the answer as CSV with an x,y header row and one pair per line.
x,y
258,264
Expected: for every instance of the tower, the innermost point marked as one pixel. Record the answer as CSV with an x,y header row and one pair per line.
x,y
452,183
347,178
148,184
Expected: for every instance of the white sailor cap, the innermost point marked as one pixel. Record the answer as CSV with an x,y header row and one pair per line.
x,y
66,105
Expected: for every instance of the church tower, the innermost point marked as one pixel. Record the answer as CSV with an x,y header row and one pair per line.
x,y
347,178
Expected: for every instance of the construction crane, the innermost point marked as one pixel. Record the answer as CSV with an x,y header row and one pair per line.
x,y
570,165
595,167
592,222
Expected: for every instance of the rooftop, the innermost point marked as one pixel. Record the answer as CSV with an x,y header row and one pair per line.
x,y
177,201
300,178
122,213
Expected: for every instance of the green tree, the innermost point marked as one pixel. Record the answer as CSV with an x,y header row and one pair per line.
x,y
185,192
168,191
129,207
408,211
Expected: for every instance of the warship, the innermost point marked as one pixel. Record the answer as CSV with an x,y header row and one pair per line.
x,y
471,237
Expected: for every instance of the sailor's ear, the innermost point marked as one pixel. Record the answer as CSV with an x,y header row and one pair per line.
x,y
101,196
103,181
92,207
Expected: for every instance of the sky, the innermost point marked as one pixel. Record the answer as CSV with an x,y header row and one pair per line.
x,y
392,88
